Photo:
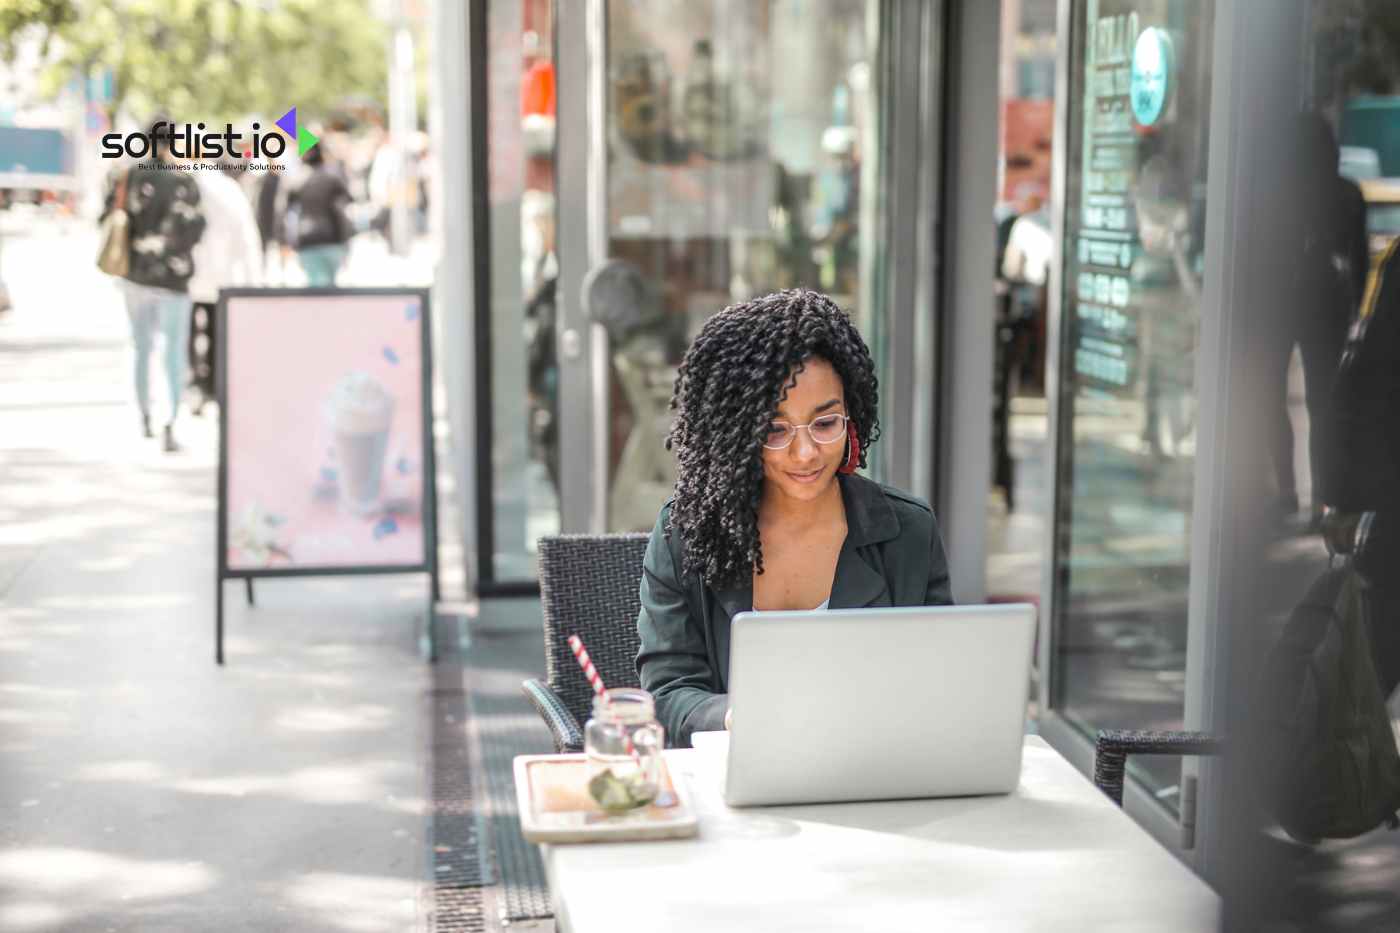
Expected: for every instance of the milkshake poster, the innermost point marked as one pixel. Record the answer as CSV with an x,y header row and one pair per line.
x,y
325,429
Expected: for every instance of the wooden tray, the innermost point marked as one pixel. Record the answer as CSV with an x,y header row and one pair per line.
x,y
552,791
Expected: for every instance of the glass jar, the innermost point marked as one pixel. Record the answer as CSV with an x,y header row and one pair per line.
x,y
623,742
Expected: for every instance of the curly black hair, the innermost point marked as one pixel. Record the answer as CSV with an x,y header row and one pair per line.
x,y
728,388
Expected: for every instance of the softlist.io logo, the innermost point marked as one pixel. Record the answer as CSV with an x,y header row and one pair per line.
x,y
195,141
304,137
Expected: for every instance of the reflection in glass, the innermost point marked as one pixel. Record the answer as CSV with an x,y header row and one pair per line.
x,y
524,371
1134,227
1329,350
1019,510
740,136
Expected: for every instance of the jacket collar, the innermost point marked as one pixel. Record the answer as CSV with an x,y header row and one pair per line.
x,y
870,519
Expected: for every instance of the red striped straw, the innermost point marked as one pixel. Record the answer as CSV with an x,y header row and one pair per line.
x,y
596,682
585,662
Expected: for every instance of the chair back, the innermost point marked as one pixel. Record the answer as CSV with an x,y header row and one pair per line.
x,y
590,587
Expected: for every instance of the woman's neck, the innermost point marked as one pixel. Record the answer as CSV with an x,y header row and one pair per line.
x,y
778,509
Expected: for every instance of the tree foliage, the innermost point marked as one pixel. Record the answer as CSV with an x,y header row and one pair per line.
x,y
210,60
20,17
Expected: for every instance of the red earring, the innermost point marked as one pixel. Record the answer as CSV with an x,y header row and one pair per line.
x,y
852,450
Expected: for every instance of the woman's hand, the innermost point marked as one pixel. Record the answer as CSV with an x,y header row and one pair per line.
x,y
729,719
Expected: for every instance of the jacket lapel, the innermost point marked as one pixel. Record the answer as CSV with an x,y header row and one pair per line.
x,y
727,604
857,584
736,599
869,520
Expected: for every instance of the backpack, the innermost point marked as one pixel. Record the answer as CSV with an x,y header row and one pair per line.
x,y
1329,760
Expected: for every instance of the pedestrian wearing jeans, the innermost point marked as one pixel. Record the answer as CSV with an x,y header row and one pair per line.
x,y
165,223
316,223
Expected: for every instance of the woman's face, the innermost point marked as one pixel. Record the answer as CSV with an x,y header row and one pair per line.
x,y
804,469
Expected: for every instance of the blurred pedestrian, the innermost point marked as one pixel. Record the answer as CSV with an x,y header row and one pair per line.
x,y
4,292
1024,252
317,223
164,223
229,254
1164,279
423,170
1366,435
385,183
1327,260
270,205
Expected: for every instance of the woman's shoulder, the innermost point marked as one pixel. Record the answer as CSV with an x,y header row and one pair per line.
x,y
890,511
663,517
900,501
662,536
905,501
914,514
665,549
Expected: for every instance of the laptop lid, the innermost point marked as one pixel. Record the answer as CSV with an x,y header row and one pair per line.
x,y
877,704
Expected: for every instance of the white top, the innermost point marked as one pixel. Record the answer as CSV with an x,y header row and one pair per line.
x,y
230,251
826,604
1055,855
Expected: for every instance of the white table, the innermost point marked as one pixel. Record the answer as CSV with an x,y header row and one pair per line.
x,y
1056,855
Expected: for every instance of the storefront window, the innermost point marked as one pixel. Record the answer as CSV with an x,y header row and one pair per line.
x,y
1019,513
1133,267
524,448
743,158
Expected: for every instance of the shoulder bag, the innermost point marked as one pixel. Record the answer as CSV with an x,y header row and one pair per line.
x,y
114,255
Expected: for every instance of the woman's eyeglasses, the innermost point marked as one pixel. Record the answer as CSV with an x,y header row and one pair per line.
x,y
828,429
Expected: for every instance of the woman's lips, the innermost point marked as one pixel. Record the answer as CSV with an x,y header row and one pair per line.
x,y
811,477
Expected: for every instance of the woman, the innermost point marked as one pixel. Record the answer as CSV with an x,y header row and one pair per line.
x,y
165,222
775,408
316,224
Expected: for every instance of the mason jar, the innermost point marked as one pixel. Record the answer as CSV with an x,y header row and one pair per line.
x,y
623,742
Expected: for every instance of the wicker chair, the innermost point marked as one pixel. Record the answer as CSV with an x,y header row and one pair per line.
x,y
1113,747
589,587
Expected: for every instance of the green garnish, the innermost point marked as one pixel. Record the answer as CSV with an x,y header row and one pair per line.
x,y
617,795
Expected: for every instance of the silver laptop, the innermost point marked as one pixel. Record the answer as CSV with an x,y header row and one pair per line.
x,y
877,704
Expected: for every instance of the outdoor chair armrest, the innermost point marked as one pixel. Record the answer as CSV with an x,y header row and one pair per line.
x,y
568,734
1113,747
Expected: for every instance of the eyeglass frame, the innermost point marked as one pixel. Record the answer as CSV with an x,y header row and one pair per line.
x,y
845,422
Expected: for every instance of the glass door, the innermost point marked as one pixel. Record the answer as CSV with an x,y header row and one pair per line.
x,y
709,151
1133,252
515,272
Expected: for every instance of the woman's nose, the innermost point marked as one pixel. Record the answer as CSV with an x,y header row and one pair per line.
x,y
803,447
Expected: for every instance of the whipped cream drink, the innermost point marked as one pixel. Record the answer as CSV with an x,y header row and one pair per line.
x,y
360,410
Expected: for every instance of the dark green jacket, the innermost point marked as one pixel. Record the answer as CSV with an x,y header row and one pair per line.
x,y
892,556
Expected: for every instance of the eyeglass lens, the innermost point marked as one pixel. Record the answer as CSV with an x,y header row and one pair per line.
x,y
823,430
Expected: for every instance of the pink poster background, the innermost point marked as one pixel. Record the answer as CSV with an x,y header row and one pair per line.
x,y
286,495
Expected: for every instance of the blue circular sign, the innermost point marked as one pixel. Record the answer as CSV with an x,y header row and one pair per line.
x,y
1150,86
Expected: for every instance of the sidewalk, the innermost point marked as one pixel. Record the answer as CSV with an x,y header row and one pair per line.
x,y
141,787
